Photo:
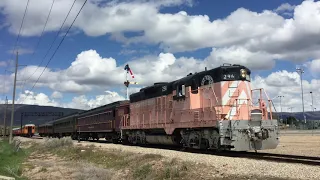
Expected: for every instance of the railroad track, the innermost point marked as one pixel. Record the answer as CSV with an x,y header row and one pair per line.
x,y
285,158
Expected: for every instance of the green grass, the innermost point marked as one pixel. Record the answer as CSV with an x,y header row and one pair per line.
x,y
139,166
11,161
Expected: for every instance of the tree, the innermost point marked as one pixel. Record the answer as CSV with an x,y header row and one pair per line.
x,y
292,120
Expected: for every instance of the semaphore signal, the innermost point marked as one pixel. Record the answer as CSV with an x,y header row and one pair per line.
x,y
127,82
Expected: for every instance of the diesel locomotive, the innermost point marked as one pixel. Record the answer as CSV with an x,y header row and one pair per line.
x,y
212,109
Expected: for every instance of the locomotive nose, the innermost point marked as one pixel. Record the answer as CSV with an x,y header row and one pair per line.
x,y
257,131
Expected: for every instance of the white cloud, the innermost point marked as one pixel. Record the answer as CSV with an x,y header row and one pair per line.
x,y
56,95
257,34
240,55
70,86
82,102
90,72
283,78
285,7
278,83
314,67
6,83
29,97
114,16
287,84
253,39
77,102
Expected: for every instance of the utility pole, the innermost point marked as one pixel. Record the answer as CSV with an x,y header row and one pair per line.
x,y
291,115
300,71
311,101
13,97
5,117
312,110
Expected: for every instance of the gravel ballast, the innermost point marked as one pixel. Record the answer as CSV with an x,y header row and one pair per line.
x,y
296,145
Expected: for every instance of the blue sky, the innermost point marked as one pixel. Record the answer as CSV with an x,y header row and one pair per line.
x,y
147,43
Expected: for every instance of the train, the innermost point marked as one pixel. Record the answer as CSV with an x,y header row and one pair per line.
x,y
214,109
27,130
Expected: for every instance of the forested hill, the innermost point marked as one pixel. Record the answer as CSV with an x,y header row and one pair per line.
x,y
299,115
19,108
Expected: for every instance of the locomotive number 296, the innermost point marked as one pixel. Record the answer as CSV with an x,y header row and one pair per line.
x,y
228,76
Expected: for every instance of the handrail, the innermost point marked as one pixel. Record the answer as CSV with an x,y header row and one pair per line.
x,y
214,93
268,99
217,101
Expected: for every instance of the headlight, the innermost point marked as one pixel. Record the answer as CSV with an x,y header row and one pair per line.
x,y
243,73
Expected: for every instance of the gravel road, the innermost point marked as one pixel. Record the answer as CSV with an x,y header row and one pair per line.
x,y
305,145
298,145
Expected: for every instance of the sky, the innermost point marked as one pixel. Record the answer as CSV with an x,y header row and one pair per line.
x,y
161,40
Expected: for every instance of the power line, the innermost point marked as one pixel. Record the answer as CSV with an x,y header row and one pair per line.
x,y
25,12
40,38
4,83
13,97
54,38
58,46
18,36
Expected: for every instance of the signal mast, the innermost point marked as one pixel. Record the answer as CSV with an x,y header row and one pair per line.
x,y
127,82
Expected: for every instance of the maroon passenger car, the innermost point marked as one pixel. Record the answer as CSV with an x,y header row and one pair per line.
x,y
45,130
102,122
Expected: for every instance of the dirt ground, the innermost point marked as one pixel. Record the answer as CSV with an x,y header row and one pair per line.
x,y
304,145
53,167
50,166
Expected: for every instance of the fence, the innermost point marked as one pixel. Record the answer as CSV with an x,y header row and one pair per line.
x,y
300,124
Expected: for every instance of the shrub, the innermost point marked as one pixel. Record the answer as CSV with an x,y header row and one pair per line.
x,y
57,143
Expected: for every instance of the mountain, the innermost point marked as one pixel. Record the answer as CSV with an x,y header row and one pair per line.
x,y
19,108
299,115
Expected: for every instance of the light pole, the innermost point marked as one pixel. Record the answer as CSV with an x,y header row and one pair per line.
x,y
312,110
291,115
300,71
280,108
